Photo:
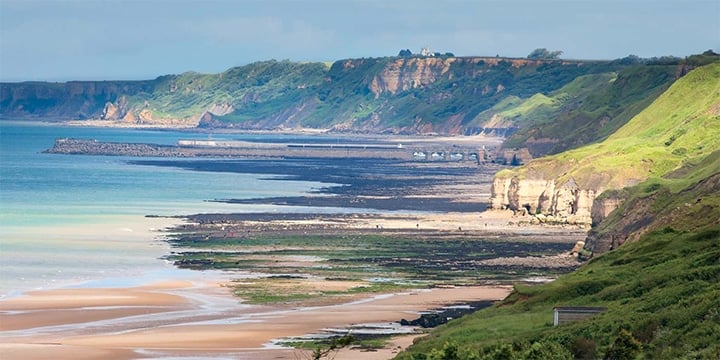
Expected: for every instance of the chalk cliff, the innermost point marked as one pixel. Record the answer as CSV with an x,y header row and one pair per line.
x,y
661,138
561,199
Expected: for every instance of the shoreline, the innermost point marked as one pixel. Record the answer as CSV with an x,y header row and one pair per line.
x,y
97,123
132,236
197,316
180,323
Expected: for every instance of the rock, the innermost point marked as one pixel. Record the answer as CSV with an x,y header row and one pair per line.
x,y
578,247
220,109
602,207
565,203
110,112
130,117
145,115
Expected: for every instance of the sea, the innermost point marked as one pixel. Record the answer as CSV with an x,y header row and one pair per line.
x,y
75,220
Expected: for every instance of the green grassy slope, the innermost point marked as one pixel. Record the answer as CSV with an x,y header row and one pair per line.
x,y
592,111
439,94
543,109
662,292
554,105
680,125
243,87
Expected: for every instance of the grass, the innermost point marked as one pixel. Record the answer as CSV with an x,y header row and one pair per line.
x,y
544,109
295,290
647,145
366,342
593,107
661,289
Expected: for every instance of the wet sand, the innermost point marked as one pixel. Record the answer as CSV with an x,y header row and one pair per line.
x,y
201,319
194,320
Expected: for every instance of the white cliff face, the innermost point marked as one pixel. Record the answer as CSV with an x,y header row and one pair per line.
x,y
566,201
499,193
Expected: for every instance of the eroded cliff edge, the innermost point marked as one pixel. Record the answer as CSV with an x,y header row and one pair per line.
x,y
560,191
585,185
415,95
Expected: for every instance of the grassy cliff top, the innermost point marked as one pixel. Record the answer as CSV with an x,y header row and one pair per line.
x,y
681,125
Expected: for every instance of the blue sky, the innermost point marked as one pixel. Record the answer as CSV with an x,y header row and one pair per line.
x,y
141,39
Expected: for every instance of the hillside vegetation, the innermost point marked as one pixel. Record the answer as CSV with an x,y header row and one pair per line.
x,y
552,104
679,126
661,289
589,109
661,292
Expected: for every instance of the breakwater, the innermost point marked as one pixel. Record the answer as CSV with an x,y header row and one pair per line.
x,y
239,149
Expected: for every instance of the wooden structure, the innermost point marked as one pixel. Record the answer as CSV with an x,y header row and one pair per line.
x,y
566,314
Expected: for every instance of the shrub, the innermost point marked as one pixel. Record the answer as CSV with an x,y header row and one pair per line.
x,y
625,347
547,350
583,348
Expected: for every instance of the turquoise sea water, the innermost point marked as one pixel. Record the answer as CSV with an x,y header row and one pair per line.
x,y
69,218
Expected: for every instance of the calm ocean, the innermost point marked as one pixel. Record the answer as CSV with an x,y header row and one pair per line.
x,y
71,219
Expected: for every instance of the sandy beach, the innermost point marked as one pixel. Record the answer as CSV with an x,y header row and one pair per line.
x,y
192,314
195,320
199,318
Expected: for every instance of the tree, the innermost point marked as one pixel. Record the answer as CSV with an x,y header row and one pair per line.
x,y
543,53
625,347
629,60
405,53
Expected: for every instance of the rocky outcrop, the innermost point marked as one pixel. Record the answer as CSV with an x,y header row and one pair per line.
x,y
70,100
145,116
220,109
513,156
603,205
404,74
642,214
565,201
115,111
110,112
130,118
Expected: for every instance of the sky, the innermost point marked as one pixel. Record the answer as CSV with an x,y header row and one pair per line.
x,y
56,40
